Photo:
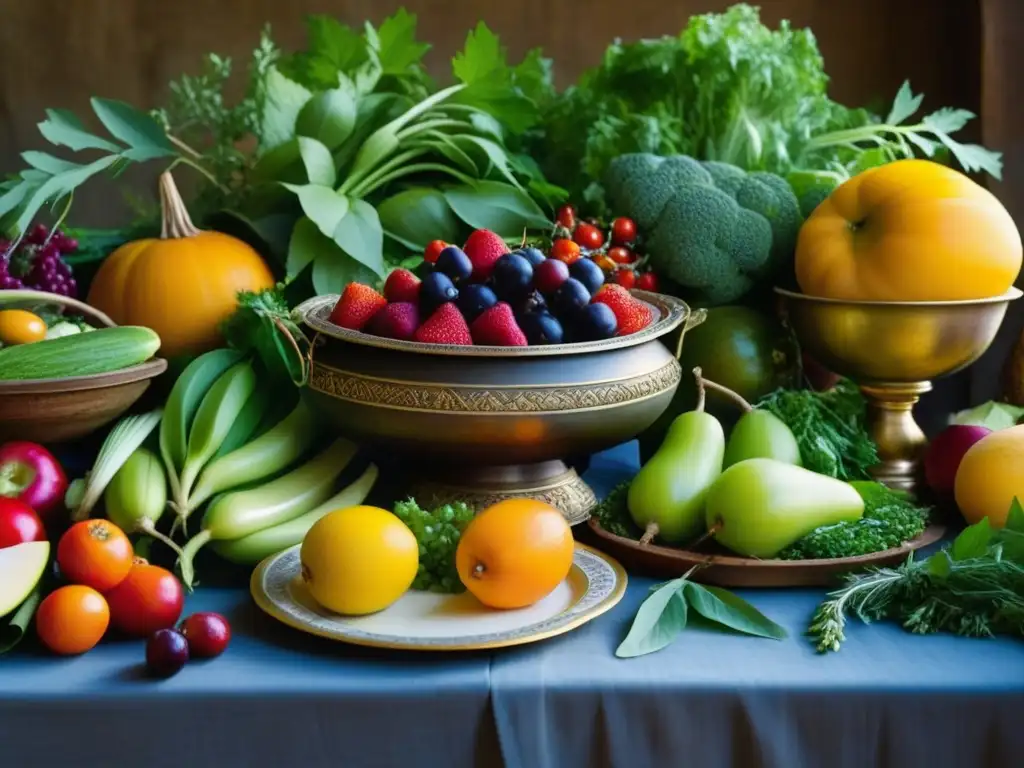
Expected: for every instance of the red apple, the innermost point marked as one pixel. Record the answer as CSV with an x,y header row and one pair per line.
x,y
942,459
19,523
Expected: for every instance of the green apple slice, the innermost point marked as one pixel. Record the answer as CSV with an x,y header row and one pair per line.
x,y
21,568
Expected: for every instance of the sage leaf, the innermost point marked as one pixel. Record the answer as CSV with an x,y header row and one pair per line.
x,y
282,163
973,541
330,116
659,620
499,207
321,204
306,242
333,269
416,216
360,235
64,129
58,186
316,157
134,127
284,100
723,607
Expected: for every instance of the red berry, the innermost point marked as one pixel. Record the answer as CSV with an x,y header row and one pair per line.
x,y
433,250
566,216
357,306
166,652
623,231
565,250
588,236
626,278
621,255
647,282
549,275
208,634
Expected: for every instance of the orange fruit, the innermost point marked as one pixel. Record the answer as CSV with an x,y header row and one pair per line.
x,y
95,553
514,553
990,475
72,619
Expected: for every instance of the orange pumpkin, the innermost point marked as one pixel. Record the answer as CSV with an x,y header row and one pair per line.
x,y
912,230
182,284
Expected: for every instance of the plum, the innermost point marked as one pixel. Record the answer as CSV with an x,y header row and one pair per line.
x,y
942,458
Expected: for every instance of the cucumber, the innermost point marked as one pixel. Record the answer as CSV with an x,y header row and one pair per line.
x,y
102,351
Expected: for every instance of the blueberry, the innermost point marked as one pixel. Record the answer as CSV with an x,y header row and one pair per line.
x,y
595,322
533,255
532,302
570,298
588,273
453,262
512,276
542,328
436,289
474,300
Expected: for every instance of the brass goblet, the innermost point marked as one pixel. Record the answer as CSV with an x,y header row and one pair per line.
x,y
893,350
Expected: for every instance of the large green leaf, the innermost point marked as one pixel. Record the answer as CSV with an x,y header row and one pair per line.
x,y
321,204
360,235
60,185
417,216
330,116
316,157
283,102
47,163
306,242
64,129
333,269
499,207
281,163
134,127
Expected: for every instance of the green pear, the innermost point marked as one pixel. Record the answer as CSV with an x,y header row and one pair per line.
x,y
759,507
666,498
761,435
21,568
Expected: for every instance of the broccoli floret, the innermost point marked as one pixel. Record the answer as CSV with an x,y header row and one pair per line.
x,y
709,226
812,198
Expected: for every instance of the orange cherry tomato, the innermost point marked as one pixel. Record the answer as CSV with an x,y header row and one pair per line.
x,y
19,326
605,263
565,250
433,250
72,619
95,553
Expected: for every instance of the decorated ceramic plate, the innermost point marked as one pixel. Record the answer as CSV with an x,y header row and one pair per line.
x,y
424,621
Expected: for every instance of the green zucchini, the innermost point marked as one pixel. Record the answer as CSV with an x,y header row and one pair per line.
x,y
102,351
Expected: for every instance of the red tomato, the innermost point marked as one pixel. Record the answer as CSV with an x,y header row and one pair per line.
x,y
18,523
149,598
626,278
588,236
95,553
621,255
623,231
433,250
565,250
566,217
647,282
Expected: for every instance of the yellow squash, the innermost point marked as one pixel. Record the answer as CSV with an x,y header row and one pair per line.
x,y
912,230
182,284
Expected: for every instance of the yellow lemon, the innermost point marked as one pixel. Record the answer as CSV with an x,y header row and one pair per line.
x,y
990,475
359,560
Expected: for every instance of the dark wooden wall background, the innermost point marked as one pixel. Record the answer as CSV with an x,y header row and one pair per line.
x,y
962,53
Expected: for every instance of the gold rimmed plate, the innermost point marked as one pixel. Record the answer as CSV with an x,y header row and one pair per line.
x,y
424,621
669,314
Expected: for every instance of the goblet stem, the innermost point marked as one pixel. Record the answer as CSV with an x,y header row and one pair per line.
x,y
900,440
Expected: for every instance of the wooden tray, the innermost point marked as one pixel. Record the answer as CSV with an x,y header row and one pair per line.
x,y
728,570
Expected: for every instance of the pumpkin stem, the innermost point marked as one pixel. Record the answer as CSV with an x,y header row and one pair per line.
x,y
176,221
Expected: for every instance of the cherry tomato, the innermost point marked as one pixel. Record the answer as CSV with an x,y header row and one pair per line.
x,y
433,250
605,263
621,255
588,236
95,553
566,216
623,231
72,619
648,281
626,278
565,250
208,634
19,523
19,326
149,598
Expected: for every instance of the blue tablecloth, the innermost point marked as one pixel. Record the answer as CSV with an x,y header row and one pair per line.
x,y
711,700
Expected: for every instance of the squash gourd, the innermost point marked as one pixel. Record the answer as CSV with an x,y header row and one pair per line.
x,y
182,284
912,230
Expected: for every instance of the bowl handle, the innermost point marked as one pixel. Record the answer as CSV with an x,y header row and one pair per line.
x,y
43,297
693,319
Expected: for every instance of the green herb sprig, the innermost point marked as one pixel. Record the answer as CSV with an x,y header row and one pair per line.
x,y
973,587
438,532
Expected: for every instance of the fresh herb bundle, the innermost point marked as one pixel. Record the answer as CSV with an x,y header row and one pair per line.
x,y
973,587
438,532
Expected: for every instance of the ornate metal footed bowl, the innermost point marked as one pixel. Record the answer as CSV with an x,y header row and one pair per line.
x,y
482,424
893,350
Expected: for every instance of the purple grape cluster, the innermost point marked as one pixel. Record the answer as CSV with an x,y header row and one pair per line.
x,y
37,263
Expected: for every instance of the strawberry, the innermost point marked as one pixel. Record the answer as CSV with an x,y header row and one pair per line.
x,y
484,248
398,320
357,305
445,326
631,313
497,327
402,285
